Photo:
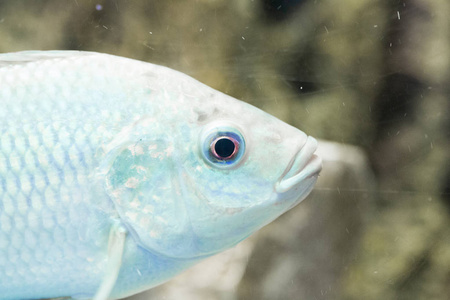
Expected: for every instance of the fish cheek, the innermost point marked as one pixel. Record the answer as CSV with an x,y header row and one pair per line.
x,y
223,212
224,189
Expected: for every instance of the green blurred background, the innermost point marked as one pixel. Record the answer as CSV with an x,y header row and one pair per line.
x,y
371,73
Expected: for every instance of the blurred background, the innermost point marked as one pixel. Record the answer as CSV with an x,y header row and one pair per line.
x,y
371,77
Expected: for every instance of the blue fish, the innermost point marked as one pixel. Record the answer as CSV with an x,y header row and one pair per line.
x,y
116,174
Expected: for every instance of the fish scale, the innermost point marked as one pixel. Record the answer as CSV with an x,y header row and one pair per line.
x,y
47,156
105,187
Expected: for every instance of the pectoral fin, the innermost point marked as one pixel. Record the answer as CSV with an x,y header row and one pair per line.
x,y
116,244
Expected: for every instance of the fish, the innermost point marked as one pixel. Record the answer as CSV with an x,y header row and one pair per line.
x,y
118,174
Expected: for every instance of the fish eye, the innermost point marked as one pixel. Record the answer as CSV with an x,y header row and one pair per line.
x,y
223,146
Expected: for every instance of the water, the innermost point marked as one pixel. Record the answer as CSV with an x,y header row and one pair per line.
x,y
363,73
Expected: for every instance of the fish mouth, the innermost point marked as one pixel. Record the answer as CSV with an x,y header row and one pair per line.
x,y
305,165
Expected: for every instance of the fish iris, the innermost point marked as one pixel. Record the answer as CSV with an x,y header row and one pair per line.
x,y
223,146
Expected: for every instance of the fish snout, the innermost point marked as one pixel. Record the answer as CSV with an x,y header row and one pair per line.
x,y
303,166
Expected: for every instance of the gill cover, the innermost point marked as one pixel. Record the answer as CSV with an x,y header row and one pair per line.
x,y
140,177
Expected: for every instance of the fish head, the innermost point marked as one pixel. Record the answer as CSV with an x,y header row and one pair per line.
x,y
245,169
216,171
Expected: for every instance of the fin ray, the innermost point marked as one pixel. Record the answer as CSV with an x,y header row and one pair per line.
x,y
116,245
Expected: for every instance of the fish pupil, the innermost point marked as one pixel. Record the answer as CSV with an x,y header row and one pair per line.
x,y
224,148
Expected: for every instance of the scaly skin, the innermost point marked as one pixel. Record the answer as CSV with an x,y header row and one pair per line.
x,y
90,140
54,215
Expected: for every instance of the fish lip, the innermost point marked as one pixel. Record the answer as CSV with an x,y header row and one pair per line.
x,y
303,165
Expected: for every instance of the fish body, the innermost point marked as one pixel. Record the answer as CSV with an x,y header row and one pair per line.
x,y
91,142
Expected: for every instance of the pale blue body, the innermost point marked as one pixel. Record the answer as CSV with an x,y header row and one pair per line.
x,y
54,221
88,140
